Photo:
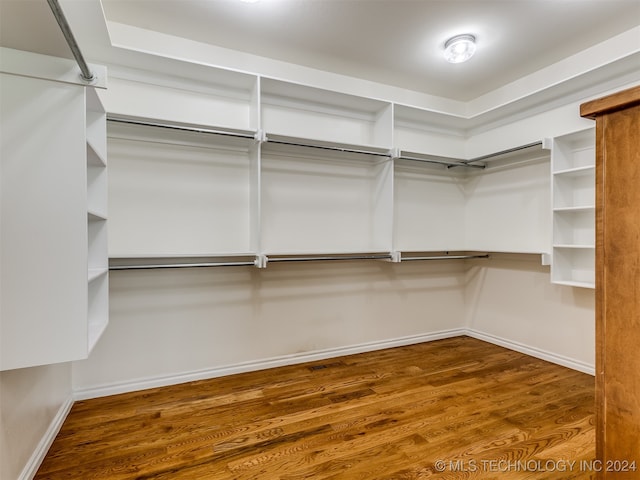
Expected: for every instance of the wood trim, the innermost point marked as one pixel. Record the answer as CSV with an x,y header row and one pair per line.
x,y
600,297
611,103
617,267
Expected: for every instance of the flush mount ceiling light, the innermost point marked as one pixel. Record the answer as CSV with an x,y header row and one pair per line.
x,y
460,48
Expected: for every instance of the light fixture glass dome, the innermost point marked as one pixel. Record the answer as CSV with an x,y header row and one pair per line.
x,y
460,48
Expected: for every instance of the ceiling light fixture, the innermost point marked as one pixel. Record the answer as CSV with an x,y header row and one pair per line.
x,y
460,48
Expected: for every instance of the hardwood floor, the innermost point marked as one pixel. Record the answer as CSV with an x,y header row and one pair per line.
x,y
457,408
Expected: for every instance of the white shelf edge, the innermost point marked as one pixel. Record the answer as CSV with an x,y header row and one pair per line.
x,y
573,283
94,334
575,170
93,215
102,159
134,256
181,126
94,103
567,245
582,208
94,273
290,253
316,142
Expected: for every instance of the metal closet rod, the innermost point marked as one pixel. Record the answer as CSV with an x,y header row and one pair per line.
x,y
443,257
501,152
448,163
329,147
182,128
329,258
87,74
181,265
324,258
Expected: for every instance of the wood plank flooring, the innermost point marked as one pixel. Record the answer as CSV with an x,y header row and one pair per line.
x,y
457,408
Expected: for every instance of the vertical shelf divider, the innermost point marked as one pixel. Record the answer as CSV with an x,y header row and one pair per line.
x,y
97,258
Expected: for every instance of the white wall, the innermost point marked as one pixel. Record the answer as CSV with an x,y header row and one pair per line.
x,y
33,403
510,300
172,326
508,209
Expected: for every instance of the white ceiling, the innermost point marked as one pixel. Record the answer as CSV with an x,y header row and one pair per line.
x,y
395,42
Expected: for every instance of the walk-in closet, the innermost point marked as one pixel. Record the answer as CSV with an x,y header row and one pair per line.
x,y
236,243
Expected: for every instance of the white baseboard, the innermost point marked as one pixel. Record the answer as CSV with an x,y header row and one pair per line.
x,y
293,359
533,351
41,450
31,468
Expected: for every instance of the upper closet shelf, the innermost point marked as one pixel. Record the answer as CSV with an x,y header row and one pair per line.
x,y
95,156
435,160
276,139
309,112
589,169
261,261
185,127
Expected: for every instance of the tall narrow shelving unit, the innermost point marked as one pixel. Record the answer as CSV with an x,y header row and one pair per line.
x,y
573,191
54,216
97,257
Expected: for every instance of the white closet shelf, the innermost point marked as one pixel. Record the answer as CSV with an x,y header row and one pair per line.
x,y
261,261
183,261
579,208
426,256
571,283
576,171
324,253
95,156
279,139
184,127
165,256
94,215
328,257
576,246
94,334
95,273
410,156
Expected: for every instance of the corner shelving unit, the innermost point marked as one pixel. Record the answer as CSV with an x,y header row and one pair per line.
x,y
97,257
318,173
573,193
